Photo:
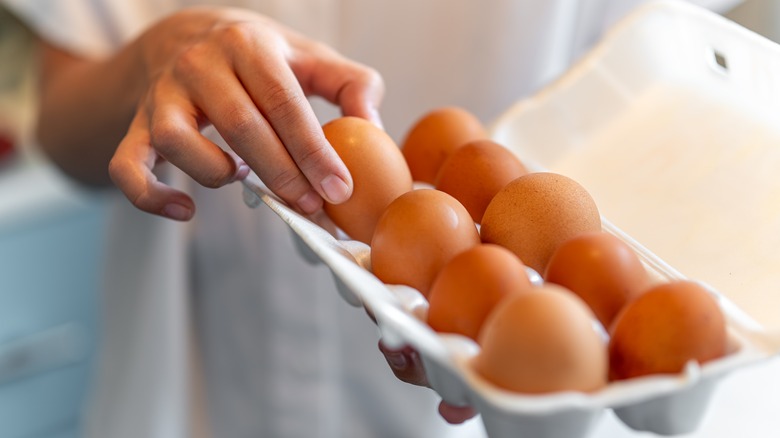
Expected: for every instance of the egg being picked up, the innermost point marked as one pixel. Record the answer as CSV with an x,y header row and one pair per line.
x,y
379,174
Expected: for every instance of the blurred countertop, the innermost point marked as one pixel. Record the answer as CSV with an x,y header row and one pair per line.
x,y
32,188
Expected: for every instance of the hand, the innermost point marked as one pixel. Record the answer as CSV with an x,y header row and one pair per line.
x,y
248,76
408,367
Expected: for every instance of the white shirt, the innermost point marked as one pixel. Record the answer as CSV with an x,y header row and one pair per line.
x,y
282,354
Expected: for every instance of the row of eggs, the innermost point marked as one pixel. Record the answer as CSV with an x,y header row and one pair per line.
x,y
465,243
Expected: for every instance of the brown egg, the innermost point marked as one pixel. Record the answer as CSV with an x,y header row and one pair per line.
x,y
434,136
469,286
541,342
379,174
476,171
664,328
535,213
602,269
417,235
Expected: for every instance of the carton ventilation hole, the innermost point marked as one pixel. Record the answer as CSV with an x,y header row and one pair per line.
x,y
720,61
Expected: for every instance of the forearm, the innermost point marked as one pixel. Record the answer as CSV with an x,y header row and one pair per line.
x,y
86,108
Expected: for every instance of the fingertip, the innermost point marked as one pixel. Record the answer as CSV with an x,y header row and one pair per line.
x,y
364,110
152,196
178,211
372,115
310,202
335,189
362,98
241,169
456,414
165,201
242,172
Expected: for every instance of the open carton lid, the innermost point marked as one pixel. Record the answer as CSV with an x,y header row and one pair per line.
x,y
672,124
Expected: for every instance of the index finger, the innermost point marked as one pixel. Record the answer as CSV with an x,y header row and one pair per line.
x,y
277,94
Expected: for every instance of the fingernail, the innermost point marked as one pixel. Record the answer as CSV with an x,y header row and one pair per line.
x,y
242,172
177,212
336,190
374,117
396,360
310,202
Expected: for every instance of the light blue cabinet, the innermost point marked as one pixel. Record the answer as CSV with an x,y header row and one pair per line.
x,y
50,264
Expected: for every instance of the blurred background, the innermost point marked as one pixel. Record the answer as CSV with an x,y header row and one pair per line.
x,y
51,236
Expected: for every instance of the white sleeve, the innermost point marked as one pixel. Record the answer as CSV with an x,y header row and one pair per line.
x,y
87,27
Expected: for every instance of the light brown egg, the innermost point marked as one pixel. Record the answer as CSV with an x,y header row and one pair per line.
x,y
535,213
379,174
542,342
417,235
600,268
434,136
664,328
476,171
470,285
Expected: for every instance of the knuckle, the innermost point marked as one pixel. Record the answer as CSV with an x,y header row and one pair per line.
x,y
313,157
281,102
372,78
314,46
215,177
119,170
189,60
242,124
116,170
285,181
165,135
218,173
237,34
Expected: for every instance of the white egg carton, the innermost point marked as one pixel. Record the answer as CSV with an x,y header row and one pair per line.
x,y
671,123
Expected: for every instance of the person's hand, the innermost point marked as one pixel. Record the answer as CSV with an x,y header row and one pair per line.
x,y
408,367
248,76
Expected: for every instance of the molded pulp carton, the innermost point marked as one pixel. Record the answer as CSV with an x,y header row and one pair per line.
x,y
671,123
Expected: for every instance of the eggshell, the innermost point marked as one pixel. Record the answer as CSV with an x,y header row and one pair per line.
x,y
470,285
602,269
664,328
379,174
434,136
542,342
535,213
476,171
417,235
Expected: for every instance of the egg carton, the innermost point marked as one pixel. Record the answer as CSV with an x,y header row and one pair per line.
x,y
670,123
